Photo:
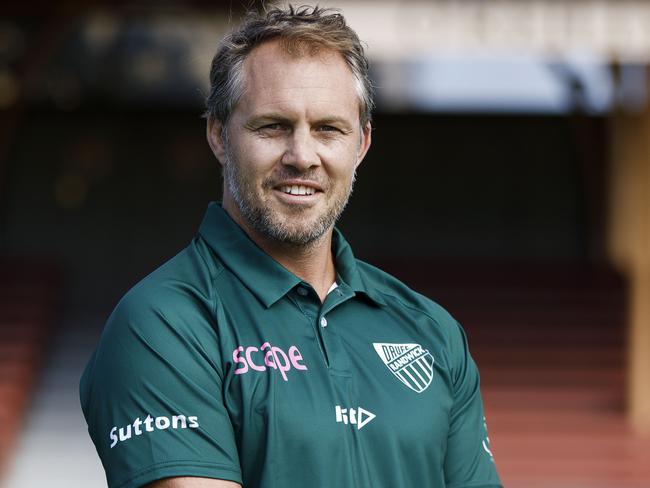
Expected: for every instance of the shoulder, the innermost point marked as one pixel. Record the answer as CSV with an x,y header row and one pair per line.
x,y
396,293
399,296
168,314
180,287
166,317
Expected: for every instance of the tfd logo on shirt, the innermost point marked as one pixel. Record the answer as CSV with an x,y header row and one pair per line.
x,y
275,358
410,363
359,416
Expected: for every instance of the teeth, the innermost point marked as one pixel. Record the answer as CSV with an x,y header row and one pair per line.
x,y
298,190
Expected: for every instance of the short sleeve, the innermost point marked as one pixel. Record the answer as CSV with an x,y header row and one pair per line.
x,y
152,392
469,461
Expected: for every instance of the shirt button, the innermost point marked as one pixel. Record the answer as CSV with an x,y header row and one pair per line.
x,y
302,291
323,322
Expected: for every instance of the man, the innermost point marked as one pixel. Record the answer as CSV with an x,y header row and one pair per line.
x,y
264,355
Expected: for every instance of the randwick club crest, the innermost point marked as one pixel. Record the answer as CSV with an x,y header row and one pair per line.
x,y
410,363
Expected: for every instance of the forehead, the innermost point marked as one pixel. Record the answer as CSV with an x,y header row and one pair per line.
x,y
275,78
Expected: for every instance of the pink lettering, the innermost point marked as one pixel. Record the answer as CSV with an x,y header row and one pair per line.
x,y
277,355
274,358
249,351
268,356
295,356
237,359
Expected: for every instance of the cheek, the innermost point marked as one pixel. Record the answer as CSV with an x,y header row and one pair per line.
x,y
261,156
341,164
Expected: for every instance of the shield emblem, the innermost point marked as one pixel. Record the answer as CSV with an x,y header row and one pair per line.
x,y
410,363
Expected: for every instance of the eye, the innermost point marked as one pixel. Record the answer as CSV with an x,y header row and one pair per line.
x,y
273,127
328,128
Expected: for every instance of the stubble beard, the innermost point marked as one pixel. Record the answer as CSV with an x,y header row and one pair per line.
x,y
291,229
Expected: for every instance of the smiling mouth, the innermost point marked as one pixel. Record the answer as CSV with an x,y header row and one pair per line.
x,y
297,190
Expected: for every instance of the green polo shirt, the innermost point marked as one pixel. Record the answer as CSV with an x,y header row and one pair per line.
x,y
223,364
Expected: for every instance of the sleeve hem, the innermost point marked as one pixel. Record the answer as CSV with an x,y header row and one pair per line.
x,y
171,469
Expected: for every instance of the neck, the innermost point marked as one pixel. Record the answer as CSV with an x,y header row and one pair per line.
x,y
312,263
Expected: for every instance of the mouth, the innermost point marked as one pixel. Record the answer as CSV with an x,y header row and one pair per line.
x,y
298,190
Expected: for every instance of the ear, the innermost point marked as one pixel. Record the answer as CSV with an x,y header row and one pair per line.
x,y
366,139
214,134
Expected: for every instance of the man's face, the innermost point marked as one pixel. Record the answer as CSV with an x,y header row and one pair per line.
x,y
293,144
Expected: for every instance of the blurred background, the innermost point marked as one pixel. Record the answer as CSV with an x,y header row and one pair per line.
x,y
509,180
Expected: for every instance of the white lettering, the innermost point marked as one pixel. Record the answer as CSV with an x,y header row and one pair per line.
x,y
162,422
341,414
392,351
357,416
353,416
179,418
113,437
136,426
124,436
407,358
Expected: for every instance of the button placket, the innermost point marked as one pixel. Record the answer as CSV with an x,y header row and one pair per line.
x,y
329,331
321,323
311,309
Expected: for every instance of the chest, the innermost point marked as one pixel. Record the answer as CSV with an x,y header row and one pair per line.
x,y
368,383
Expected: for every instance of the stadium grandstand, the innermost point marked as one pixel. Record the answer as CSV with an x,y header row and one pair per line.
x,y
509,180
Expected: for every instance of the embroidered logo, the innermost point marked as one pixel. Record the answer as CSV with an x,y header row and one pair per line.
x,y
410,363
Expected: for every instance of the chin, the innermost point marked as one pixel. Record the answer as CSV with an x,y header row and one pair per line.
x,y
301,233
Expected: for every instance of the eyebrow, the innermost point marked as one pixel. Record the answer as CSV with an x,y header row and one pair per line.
x,y
268,116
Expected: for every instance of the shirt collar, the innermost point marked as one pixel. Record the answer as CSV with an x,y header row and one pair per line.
x,y
348,270
267,279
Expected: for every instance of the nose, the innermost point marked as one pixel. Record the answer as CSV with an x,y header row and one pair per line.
x,y
301,150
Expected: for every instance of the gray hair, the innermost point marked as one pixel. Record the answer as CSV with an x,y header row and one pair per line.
x,y
302,30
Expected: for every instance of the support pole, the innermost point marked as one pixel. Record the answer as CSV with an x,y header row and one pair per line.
x,y
629,248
